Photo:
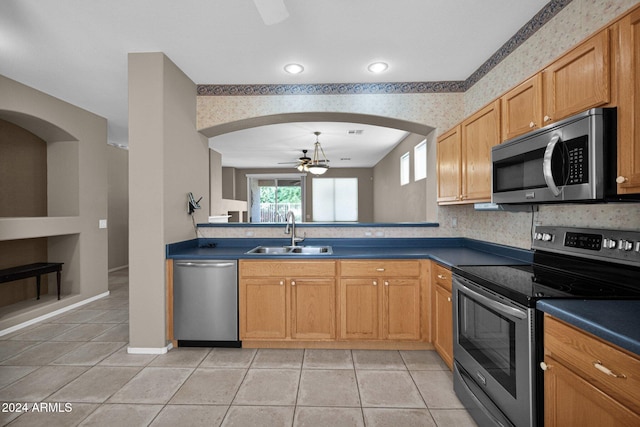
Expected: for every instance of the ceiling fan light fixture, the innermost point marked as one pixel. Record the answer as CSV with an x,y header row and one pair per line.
x,y
294,68
318,169
377,67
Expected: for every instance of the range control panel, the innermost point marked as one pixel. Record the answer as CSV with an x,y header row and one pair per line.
x,y
622,246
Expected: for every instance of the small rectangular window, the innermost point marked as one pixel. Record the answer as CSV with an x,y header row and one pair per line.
x,y
404,169
420,161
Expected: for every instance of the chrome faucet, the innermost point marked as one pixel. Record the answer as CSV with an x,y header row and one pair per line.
x,y
294,239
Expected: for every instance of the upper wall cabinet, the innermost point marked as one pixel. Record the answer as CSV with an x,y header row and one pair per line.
x,y
629,104
522,108
480,132
579,80
464,157
449,167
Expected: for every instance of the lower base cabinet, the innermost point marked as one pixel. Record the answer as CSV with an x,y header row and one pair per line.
x,y
380,308
287,299
587,381
381,300
442,313
327,300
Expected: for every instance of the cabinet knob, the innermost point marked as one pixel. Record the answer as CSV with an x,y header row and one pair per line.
x,y
547,118
441,276
449,299
621,180
375,283
386,283
281,282
544,366
380,269
293,283
532,125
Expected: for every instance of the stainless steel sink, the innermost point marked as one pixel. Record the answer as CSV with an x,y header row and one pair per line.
x,y
291,250
270,250
311,250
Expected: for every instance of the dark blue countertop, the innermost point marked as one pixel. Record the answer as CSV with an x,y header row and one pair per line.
x,y
616,321
447,251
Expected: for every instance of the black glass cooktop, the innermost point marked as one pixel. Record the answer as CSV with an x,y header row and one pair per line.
x,y
556,276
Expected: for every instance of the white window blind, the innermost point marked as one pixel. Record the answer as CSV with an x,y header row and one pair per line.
x,y
335,199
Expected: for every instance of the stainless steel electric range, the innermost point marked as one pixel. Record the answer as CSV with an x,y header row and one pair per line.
x,y
498,331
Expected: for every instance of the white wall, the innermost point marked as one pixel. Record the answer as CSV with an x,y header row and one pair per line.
x,y
167,159
118,218
77,193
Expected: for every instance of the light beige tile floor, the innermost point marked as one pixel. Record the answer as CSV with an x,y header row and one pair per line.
x,y
77,367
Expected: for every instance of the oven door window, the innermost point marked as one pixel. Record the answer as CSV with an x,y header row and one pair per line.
x,y
489,338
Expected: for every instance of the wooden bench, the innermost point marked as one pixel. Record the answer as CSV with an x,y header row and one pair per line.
x,y
32,270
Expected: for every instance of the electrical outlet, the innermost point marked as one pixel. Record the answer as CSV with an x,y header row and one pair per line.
x,y
454,222
102,223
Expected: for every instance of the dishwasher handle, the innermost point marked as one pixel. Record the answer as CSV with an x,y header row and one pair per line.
x,y
208,264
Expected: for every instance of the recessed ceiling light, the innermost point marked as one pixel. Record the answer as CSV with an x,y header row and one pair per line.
x,y
377,67
293,68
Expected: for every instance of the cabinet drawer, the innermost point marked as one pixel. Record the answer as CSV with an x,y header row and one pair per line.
x,y
287,268
380,268
442,276
590,357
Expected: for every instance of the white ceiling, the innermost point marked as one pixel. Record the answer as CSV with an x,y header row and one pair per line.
x,y
77,50
271,145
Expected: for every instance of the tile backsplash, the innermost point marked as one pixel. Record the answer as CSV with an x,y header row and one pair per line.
x,y
506,228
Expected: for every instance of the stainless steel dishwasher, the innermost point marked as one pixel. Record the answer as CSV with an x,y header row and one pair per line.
x,y
205,303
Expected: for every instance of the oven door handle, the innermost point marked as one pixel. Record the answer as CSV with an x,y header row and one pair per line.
x,y
496,305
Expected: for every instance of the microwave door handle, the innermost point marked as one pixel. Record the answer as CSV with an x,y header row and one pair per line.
x,y
546,166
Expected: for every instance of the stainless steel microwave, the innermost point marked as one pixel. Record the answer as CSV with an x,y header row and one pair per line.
x,y
573,160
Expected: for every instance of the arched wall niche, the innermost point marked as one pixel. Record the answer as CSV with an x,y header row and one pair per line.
x,y
61,167
45,130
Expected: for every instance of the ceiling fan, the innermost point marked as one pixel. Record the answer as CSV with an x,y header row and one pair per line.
x,y
271,11
301,162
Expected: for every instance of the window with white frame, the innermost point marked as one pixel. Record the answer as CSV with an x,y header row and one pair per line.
x,y
335,199
420,161
404,169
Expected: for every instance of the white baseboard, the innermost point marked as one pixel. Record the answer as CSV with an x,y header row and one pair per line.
x,y
150,350
122,267
53,313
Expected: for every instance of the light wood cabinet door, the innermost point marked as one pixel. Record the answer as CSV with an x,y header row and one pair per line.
x,y
449,167
628,181
313,308
480,132
401,314
359,309
579,80
263,308
588,381
571,401
443,324
442,313
521,108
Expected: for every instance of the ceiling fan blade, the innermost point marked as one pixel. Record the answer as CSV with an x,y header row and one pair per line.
x,y
271,11
288,163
